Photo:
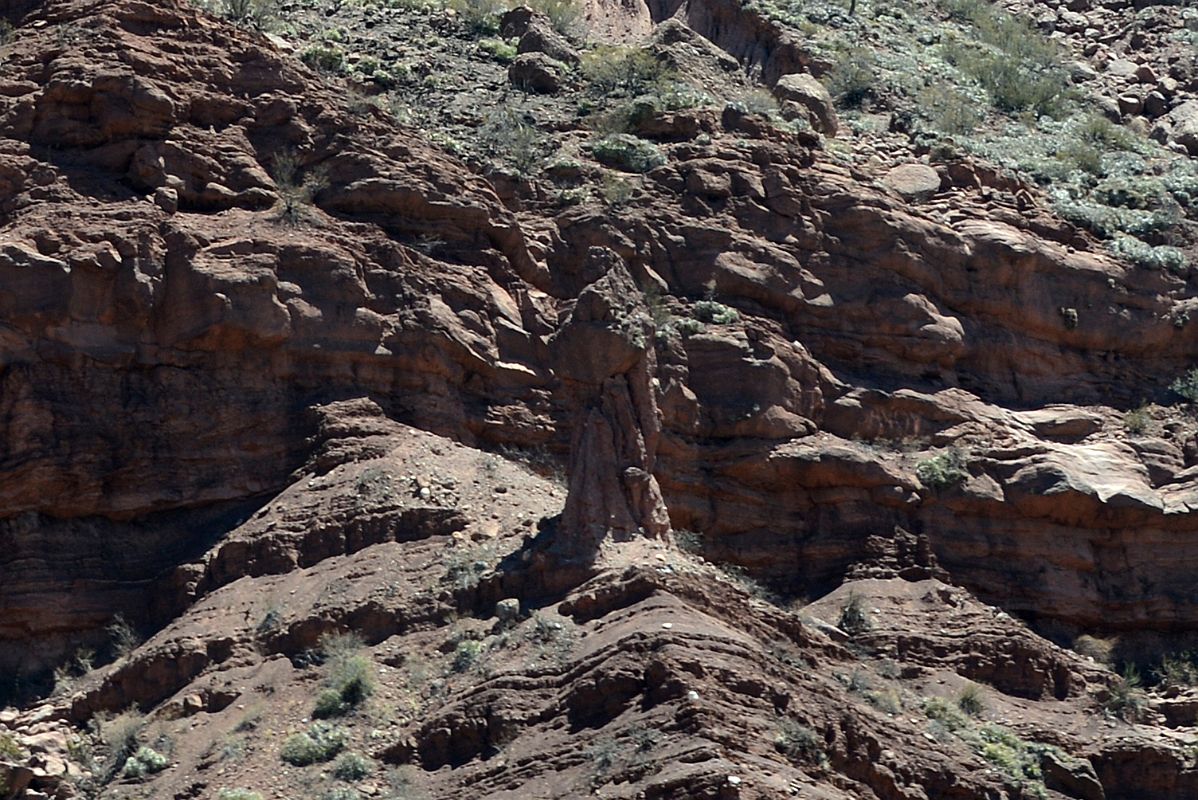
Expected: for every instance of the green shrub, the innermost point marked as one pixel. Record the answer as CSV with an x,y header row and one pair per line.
x,y
715,313
1126,699
564,15
1100,131
1013,85
631,71
295,194
758,101
1010,754
1160,257
466,655
798,742
123,637
341,793
499,49
942,470
1081,156
237,794
853,77
1136,421
1186,386
1177,669
349,676
628,153
971,700
318,744
947,714
507,136
327,58
351,767
948,110
259,14
480,16
146,761
10,749
853,619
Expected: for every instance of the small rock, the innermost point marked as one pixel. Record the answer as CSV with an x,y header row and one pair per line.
x,y
1129,104
1155,104
508,610
1183,121
167,199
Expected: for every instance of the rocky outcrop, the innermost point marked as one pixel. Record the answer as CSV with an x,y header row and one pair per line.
x,y
602,351
276,368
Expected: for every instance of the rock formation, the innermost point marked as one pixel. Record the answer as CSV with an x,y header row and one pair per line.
x,y
873,474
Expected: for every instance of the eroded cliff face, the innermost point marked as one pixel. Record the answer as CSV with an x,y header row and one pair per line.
x,y
275,366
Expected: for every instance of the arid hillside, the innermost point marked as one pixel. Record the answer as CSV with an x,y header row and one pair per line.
x,y
725,399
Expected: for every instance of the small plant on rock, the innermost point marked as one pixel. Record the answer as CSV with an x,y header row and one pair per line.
x,y
853,77
341,793
123,637
971,700
349,676
1186,386
629,71
1136,421
479,16
146,761
628,153
1159,257
295,194
321,742
853,619
950,716
499,49
258,14
715,313
237,794
10,748
1126,699
466,655
327,58
351,767
798,742
943,469
510,137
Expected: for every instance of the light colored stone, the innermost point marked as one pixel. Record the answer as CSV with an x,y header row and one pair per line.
x,y
913,181
805,91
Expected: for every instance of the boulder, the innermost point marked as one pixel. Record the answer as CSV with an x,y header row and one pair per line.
x,y
913,181
535,72
806,92
14,778
540,37
1073,777
1183,122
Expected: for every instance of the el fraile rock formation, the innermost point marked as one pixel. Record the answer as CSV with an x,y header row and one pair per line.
x,y
409,401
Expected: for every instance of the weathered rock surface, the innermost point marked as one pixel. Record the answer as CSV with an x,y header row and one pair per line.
x,y
245,434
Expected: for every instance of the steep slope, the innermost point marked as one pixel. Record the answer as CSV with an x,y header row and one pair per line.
x,y
277,367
